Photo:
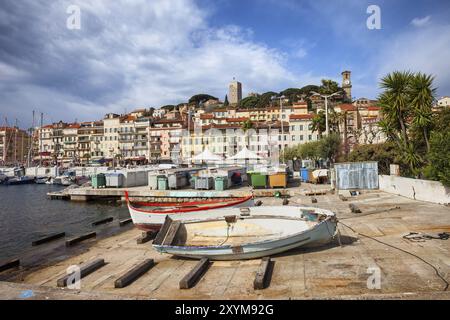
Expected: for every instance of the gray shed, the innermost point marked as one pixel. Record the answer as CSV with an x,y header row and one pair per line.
x,y
356,175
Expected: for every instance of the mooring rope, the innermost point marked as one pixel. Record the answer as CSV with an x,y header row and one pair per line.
x,y
405,251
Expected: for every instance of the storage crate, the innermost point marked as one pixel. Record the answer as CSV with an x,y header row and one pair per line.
x,y
98,181
259,180
163,183
114,180
278,180
205,183
221,183
153,180
177,180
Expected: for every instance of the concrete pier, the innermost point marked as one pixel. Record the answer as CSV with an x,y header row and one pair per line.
x,y
327,272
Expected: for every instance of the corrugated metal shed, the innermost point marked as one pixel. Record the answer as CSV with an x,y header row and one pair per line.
x,y
356,175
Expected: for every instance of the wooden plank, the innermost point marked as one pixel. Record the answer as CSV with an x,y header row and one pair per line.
x,y
9,265
103,221
125,222
263,274
313,200
48,239
83,237
134,273
171,233
195,274
146,237
85,270
162,232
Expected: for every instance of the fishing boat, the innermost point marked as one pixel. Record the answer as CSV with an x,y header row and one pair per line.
x,y
42,180
246,233
151,215
19,180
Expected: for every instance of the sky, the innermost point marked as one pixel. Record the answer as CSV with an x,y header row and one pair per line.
x,y
129,54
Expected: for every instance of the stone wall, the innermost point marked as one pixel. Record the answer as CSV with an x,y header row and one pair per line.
x,y
423,190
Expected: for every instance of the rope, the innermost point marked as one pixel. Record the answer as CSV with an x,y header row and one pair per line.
x,y
404,251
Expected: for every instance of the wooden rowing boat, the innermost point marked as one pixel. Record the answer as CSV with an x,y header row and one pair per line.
x,y
246,234
150,216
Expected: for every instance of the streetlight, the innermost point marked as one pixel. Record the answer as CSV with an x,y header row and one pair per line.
x,y
282,127
327,129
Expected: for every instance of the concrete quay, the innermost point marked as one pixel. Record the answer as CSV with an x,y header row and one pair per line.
x,y
370,240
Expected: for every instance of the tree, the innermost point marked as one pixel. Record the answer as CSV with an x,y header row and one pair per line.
x,y
329,146
384,153
438,167
200,98
265,99
422,92
250,102
225,102
329,87
319,123
395,104
293,94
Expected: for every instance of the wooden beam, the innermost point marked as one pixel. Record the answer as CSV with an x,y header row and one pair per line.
x,y
103,221
83,237
48,239
9,265
133,274
125,222
263,274
171,233
195,274
85,270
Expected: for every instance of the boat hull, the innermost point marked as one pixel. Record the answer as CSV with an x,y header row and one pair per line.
x,y
322,234
149,221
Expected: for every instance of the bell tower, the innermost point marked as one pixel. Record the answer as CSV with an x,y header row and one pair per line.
x,y
347,84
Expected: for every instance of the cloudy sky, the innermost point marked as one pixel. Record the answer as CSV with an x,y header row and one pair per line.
x,y
143,53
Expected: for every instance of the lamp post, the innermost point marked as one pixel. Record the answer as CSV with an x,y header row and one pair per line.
x,y
327,129
282,126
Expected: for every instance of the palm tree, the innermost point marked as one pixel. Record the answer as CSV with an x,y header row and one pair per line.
x,y
395,101
318,123
423,93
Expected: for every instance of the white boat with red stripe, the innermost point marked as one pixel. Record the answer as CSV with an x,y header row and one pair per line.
x,y
150,216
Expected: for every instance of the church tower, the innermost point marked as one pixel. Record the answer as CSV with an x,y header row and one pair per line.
x,y
347,84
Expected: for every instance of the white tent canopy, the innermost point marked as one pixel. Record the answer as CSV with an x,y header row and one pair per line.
x,y
207,155
245,154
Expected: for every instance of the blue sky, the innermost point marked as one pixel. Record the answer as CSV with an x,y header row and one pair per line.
x,y
147,53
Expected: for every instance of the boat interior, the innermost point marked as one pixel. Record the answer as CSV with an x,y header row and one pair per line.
x,y
231,230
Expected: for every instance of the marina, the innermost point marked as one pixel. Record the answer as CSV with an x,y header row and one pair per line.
x,y
373,238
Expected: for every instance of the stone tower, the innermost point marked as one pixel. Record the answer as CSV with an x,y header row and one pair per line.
x,y
235,92
347,84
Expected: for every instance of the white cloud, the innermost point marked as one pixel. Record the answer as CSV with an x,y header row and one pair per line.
x,y
135,54
425,50
420,22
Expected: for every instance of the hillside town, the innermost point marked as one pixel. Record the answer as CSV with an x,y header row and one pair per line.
x,y
177,133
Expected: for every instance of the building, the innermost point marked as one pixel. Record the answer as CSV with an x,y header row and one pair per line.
x,y
14,146
235,93
109,146
300,129
347,85
443,102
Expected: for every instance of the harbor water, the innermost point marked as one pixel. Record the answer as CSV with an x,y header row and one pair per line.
x,y
26,214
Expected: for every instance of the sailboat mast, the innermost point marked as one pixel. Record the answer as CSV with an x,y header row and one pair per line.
x,y
40,140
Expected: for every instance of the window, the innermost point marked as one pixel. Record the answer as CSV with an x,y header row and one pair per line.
x,y
310,137
301,137
293,138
